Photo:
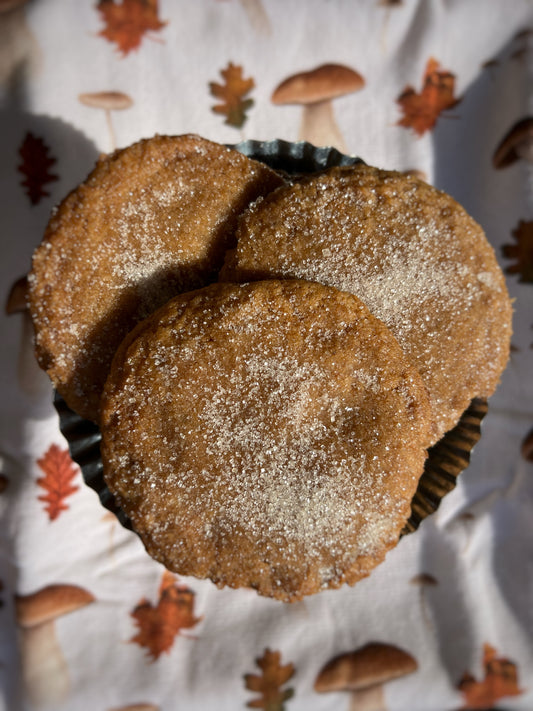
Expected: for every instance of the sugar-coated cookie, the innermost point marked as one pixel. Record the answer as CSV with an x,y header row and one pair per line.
x,y
151,220
268,435
410,252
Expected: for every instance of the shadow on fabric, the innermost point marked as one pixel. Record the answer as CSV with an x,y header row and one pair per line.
x,y
463,144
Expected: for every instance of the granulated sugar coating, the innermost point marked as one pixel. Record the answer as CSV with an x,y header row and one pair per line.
x,y
150,221
410,252
268,435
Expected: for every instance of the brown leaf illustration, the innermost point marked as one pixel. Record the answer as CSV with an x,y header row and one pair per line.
x,y
159,625
268,684
59,471
35,167
421,111
231,94
500,680
521,252
128,21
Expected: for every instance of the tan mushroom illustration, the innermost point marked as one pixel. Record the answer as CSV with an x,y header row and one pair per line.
x,y
8,5
257,16
364,672
108,101
45,672
136,707
517,144
18,45
315,91
32,380
19,50
416,173
526,449
388,5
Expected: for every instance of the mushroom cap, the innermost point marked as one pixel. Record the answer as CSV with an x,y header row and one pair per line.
x,y
325,82
49,603
375,663
423,579
136,707
109,100
517,143
16,301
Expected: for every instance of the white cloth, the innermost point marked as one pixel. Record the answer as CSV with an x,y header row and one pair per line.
x,y
51,52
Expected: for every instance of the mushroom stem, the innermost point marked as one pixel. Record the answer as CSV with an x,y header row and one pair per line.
x,y
44,668
524,150
257,16
111,129
45,671
319,126
370,699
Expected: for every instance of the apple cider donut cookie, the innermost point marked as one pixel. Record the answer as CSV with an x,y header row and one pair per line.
x,y
151,221
410,252
268,435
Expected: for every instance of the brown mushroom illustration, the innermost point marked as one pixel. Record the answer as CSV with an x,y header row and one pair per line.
x,y
515,145
527,447
19,51
16,299
416,173
108,101
32,380
363,673
388,5
314,91
8,5
45,671
424,581
257,16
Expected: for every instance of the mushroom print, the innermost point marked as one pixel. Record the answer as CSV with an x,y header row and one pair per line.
x,y
18,46
416,173
314,91
108,101
136,707
424,581
517,144
363,673
44,669
527,447
8,5
257,16
388,5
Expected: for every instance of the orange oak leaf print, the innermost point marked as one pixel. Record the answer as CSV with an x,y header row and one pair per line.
x,y
128,21
160,624
500,680
268,684
231,94
35,167
421,110
521,252
59,472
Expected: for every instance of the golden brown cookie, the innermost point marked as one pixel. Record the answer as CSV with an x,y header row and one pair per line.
x,y
150,221
410,252
268,435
